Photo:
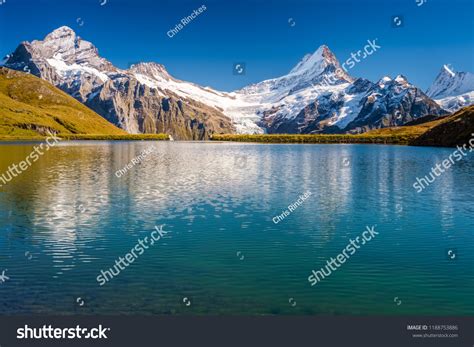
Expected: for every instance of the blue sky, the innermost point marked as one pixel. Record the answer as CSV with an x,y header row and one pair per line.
x,y
259,33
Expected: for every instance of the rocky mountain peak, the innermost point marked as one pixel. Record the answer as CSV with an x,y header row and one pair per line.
x,y
320,68
401,79
61,33
384,80
65,51
151,69
62,41
315,62
451,83
447,70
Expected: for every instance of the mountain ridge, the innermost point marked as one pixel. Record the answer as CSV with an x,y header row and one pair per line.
x,y
316,96
120,96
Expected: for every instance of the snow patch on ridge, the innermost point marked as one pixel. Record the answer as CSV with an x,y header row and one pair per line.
x,y
74,69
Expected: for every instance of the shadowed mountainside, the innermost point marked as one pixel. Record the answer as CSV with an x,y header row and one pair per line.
x,y
455,130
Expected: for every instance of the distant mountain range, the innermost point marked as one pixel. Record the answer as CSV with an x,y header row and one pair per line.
x,y
310,99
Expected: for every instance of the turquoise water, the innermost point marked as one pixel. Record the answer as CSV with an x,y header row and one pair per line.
x,y
68,217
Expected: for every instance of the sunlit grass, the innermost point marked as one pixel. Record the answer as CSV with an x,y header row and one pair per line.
x,y
400,138
29,107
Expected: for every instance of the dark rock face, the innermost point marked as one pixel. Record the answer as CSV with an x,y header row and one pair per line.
x,y
131,104
384,104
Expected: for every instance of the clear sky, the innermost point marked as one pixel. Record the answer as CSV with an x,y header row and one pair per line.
x,y
270,37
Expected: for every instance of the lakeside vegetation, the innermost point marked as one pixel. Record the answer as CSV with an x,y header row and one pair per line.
x,y
127,137
401,139
92,137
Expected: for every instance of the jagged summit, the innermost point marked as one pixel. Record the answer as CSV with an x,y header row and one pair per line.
x,y
323,60
320,69
151,69
60,33
62,40
447,69
384,79
401,78
398,81
451,89
60,56
320,58
451,83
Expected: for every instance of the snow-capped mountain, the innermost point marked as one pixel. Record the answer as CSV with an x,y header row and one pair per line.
x,y
452,90
316,96
143,99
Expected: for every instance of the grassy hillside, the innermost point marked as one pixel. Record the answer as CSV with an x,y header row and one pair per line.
x,y
451,131
411,131
29,107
